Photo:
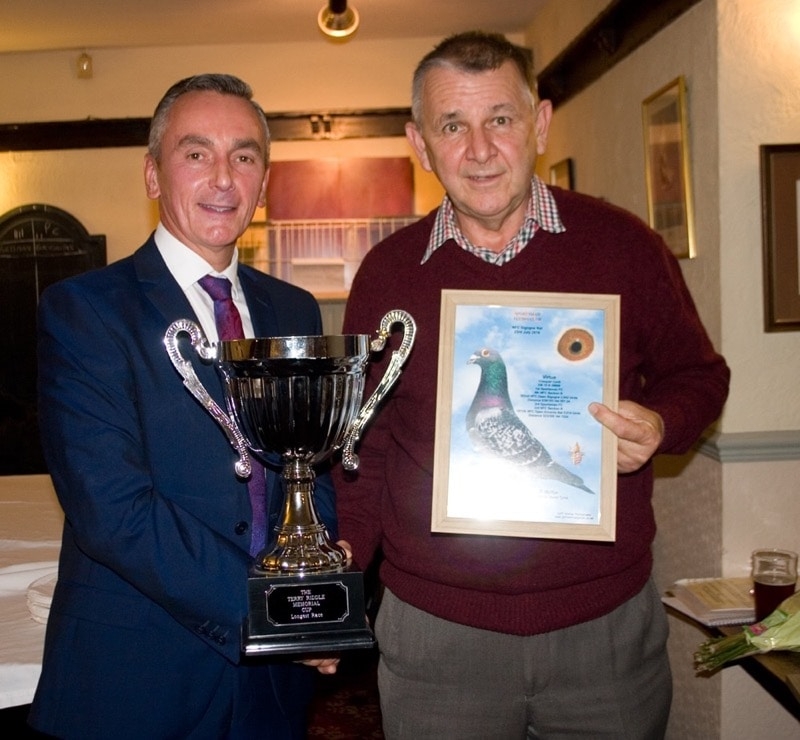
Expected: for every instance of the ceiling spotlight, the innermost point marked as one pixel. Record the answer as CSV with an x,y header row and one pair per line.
x,y
337,20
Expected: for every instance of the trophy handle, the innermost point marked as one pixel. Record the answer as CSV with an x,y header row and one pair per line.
x,y
399,356
200,344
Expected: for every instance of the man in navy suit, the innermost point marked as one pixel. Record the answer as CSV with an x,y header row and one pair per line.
x,y
143,638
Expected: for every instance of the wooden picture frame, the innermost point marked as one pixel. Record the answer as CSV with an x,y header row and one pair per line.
x,y
667,172
562,174
780,220
558,352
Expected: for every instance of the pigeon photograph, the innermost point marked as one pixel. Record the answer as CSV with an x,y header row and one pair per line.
x,y
522,445
494,427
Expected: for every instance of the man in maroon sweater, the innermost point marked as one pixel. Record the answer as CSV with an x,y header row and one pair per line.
x,y
500,637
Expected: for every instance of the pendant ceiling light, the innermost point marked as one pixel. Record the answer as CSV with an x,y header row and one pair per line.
x,y
337,20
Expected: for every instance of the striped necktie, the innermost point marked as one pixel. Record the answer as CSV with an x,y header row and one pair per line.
x,y
229,326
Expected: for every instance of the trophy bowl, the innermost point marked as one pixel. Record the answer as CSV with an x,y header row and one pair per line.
x,y
298,398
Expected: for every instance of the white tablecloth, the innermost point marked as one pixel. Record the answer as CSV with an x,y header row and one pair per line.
x,y
30,538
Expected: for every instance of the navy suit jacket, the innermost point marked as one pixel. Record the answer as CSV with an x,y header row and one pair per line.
x,y
143,638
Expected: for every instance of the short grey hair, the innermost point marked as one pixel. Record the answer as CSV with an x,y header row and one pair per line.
x,y
219,83
472,51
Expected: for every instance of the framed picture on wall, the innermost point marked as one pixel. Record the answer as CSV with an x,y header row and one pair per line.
x,y
780,219
517,453
667,174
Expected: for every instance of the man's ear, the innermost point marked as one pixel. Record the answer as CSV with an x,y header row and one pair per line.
x,y
262,196
414,137
544,114
151,177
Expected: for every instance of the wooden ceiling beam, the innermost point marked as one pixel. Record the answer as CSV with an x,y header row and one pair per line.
x,y
94,133
619,30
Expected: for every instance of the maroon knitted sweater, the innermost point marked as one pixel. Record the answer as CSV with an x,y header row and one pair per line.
x,y
517,585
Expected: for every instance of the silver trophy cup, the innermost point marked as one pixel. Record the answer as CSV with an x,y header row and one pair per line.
x,y
298,398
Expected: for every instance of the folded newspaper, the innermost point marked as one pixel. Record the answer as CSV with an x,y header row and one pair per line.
x,y
713,601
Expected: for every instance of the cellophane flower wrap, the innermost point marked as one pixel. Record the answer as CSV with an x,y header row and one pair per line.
x,y
779,631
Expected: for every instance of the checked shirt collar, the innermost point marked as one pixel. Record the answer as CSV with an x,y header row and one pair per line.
x,y
541,212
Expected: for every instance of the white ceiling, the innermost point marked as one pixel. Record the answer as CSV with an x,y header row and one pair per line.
x,y
37,25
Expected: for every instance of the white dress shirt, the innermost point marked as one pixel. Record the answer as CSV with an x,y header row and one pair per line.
x,y
187,267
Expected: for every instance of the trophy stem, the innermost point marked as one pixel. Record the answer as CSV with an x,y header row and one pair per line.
x,y
303,544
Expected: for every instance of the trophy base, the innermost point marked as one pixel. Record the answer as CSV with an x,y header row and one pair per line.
x,y
309,613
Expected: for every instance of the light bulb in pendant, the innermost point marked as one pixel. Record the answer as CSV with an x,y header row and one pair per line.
x,y
338,20
84,66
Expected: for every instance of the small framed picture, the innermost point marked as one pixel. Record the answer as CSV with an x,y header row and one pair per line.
x,y
780,217
561,174
517,453
667,173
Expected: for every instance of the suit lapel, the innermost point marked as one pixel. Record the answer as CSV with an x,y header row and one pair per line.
x,y
158,284
260,305
163,291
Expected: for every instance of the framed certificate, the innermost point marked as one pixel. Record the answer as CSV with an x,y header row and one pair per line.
x,y
517,453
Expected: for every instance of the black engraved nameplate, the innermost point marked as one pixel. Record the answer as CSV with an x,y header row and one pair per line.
x,y
306,614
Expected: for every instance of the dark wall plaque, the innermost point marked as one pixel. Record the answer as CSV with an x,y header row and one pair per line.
x,y
39,245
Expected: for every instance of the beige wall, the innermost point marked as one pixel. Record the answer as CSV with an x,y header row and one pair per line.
x,y
608,155
285,77
740,59
759,103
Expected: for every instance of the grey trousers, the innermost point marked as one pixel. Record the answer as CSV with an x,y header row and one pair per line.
x,y
608,678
